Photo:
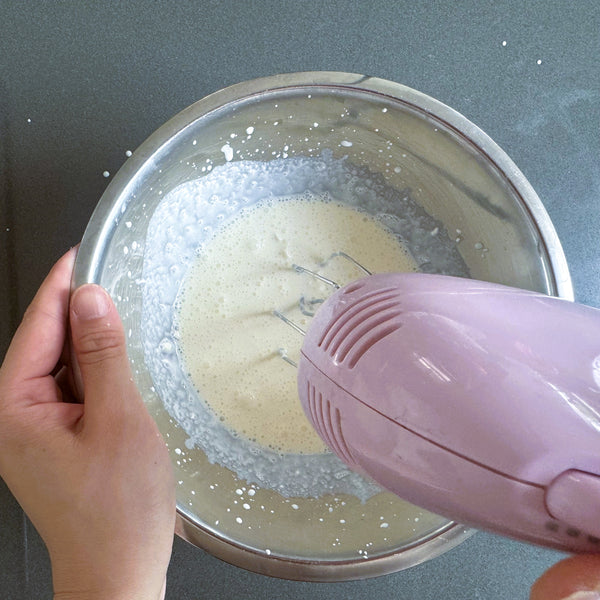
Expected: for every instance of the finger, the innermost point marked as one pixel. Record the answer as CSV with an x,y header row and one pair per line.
x,y
68,370
64,381
38,342
65,355
575,578
99,349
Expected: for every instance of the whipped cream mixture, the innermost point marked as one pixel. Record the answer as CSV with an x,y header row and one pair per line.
x,y
218,259
229,338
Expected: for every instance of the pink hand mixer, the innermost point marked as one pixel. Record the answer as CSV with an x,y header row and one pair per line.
x,y
474,400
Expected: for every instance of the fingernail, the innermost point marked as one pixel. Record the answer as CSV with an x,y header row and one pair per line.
x,y
584,595
90,302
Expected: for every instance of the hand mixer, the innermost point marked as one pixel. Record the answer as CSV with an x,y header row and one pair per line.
x,y
474,400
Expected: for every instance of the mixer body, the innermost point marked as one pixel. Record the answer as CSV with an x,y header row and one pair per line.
x,y
476,401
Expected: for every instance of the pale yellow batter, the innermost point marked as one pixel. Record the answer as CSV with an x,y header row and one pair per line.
x,y
229,338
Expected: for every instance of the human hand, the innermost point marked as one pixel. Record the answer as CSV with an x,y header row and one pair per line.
x,y
575,578
95,477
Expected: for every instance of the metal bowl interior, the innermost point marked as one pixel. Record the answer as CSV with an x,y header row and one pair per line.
x,y
452,171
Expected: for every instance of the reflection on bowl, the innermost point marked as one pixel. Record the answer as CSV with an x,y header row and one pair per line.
x,y
443,188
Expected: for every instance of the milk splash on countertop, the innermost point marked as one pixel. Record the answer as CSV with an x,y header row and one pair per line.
x,y
215,211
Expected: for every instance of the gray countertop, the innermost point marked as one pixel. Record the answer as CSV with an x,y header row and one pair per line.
x,y
81,83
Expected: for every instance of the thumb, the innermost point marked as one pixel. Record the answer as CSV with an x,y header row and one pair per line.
x,y
575,578
99,350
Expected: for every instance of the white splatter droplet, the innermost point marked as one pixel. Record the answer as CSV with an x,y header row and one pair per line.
x,y
227,150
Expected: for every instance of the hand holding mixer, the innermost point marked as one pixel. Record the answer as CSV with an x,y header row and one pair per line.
x,y
474,400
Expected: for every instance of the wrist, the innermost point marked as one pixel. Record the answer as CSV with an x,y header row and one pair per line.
x,y
112,594
146,588
98,579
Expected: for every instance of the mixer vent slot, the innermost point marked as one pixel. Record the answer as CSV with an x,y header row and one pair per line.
x,y
327,421
371,318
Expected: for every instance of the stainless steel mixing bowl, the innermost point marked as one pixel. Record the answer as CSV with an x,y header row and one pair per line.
x,y
415,144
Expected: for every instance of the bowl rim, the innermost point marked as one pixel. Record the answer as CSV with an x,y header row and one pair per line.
x,y
437,542
88,259
88,267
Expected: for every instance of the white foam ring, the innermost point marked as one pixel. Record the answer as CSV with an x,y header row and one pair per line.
x,y
186,219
